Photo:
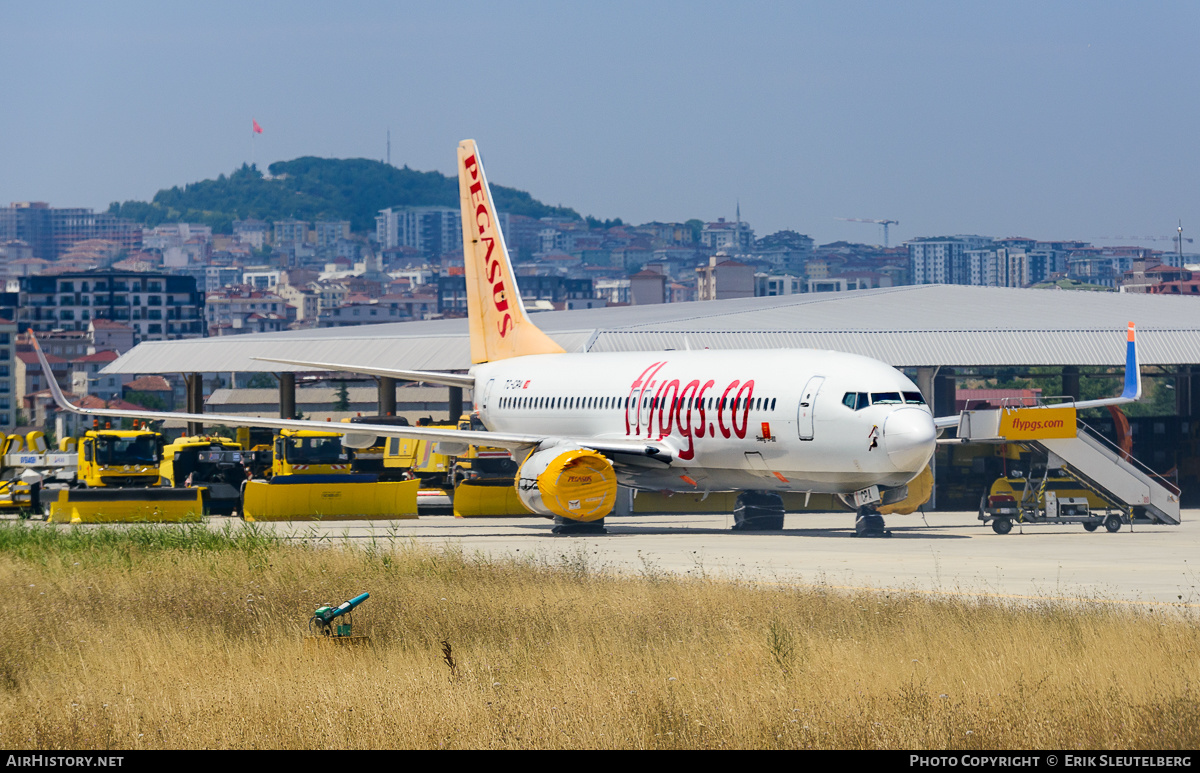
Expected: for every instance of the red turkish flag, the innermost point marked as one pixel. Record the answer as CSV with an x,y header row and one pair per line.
x,y
257,128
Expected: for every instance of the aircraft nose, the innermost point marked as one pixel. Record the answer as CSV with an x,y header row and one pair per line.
x,y
909,437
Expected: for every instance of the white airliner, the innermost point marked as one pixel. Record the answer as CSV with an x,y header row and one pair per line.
x,y
758,422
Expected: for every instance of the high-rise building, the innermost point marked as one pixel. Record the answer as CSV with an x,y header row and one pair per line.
x,y
942,259
434,231
51,232
159,307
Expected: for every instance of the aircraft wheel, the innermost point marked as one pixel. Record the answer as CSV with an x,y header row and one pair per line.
x,y
569,526
1112,523
758,511
870,524
1002,525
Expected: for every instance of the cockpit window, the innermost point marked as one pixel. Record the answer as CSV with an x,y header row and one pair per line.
x,y
914,398
885,398
856,401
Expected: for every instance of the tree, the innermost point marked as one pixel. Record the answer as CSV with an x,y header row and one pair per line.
x,y
148,401
342,403
261,381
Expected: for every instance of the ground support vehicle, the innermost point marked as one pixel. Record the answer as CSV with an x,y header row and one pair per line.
x,y
26,466
312,478
353,496
215,463
1048,500
118,481
115,505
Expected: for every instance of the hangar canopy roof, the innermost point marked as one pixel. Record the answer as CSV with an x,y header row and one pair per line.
x,y
921,325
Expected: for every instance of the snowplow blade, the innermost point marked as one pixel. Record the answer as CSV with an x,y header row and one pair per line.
x,y
324,498
127,505
487,497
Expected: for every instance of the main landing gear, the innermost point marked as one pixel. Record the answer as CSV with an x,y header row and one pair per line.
x,y
758,511
569,526
870,523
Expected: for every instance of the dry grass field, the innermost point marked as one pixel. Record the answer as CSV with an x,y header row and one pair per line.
x,y
184,638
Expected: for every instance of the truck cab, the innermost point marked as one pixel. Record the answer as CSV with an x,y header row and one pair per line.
x,y
216,463
310,452
119,458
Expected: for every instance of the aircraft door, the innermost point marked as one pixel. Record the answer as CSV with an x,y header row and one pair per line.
x,y
487,393
808,403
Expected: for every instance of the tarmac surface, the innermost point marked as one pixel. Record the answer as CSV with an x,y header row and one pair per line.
x,y
940,553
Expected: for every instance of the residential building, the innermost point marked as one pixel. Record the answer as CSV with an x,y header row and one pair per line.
x,y
330,231
942,259
361,313
778,284
432,231
647,287
733,238
51,232
723,278
243,310
251,232
157,306
291,232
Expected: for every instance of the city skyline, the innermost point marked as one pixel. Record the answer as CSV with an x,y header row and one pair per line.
x,y
1068,121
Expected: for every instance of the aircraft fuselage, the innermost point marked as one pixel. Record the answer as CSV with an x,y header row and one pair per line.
x,y
773,420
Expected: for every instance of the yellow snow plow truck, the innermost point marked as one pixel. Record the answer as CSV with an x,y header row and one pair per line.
x,y
312,478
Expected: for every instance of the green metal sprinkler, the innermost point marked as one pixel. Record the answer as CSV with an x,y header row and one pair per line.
x,y
322,621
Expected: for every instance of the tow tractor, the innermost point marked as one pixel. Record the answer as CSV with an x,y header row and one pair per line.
x,y
1051,500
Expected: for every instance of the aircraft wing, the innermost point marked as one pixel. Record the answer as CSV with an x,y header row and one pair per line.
x,y
432,377
1132,391
510,440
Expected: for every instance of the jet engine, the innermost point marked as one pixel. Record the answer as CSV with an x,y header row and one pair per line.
x,y
568,481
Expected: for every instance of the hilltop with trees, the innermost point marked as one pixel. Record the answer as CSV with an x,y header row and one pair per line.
x,y
311,188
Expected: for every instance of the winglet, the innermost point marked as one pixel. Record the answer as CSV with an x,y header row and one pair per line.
x,y
55,391
1133,370
1131,393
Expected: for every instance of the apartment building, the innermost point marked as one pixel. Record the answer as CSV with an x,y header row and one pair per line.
x,y
158,307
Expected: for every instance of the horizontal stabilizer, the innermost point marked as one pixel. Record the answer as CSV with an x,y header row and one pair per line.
x,y
432,377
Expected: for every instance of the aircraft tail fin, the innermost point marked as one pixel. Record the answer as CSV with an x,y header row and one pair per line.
x,y
499,326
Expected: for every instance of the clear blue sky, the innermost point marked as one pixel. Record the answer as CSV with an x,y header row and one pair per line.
x,y
1048,120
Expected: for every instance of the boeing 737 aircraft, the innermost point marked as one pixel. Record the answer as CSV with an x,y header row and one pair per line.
x,y
758,422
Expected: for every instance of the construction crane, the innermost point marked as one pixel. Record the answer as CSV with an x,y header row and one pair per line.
x,y
884,223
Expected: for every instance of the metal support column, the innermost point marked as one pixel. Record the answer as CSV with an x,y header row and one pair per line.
x,y
287,395
1185,398
1070,381
387,396
925,377
193,387
456,403
945,395
944,402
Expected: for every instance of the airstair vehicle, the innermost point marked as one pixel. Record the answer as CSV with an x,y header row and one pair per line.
x,y
1080,453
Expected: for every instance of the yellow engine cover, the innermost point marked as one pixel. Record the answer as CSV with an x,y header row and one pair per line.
x,y
919,489
576,483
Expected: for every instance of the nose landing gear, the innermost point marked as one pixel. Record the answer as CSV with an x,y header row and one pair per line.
x,y
870,523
